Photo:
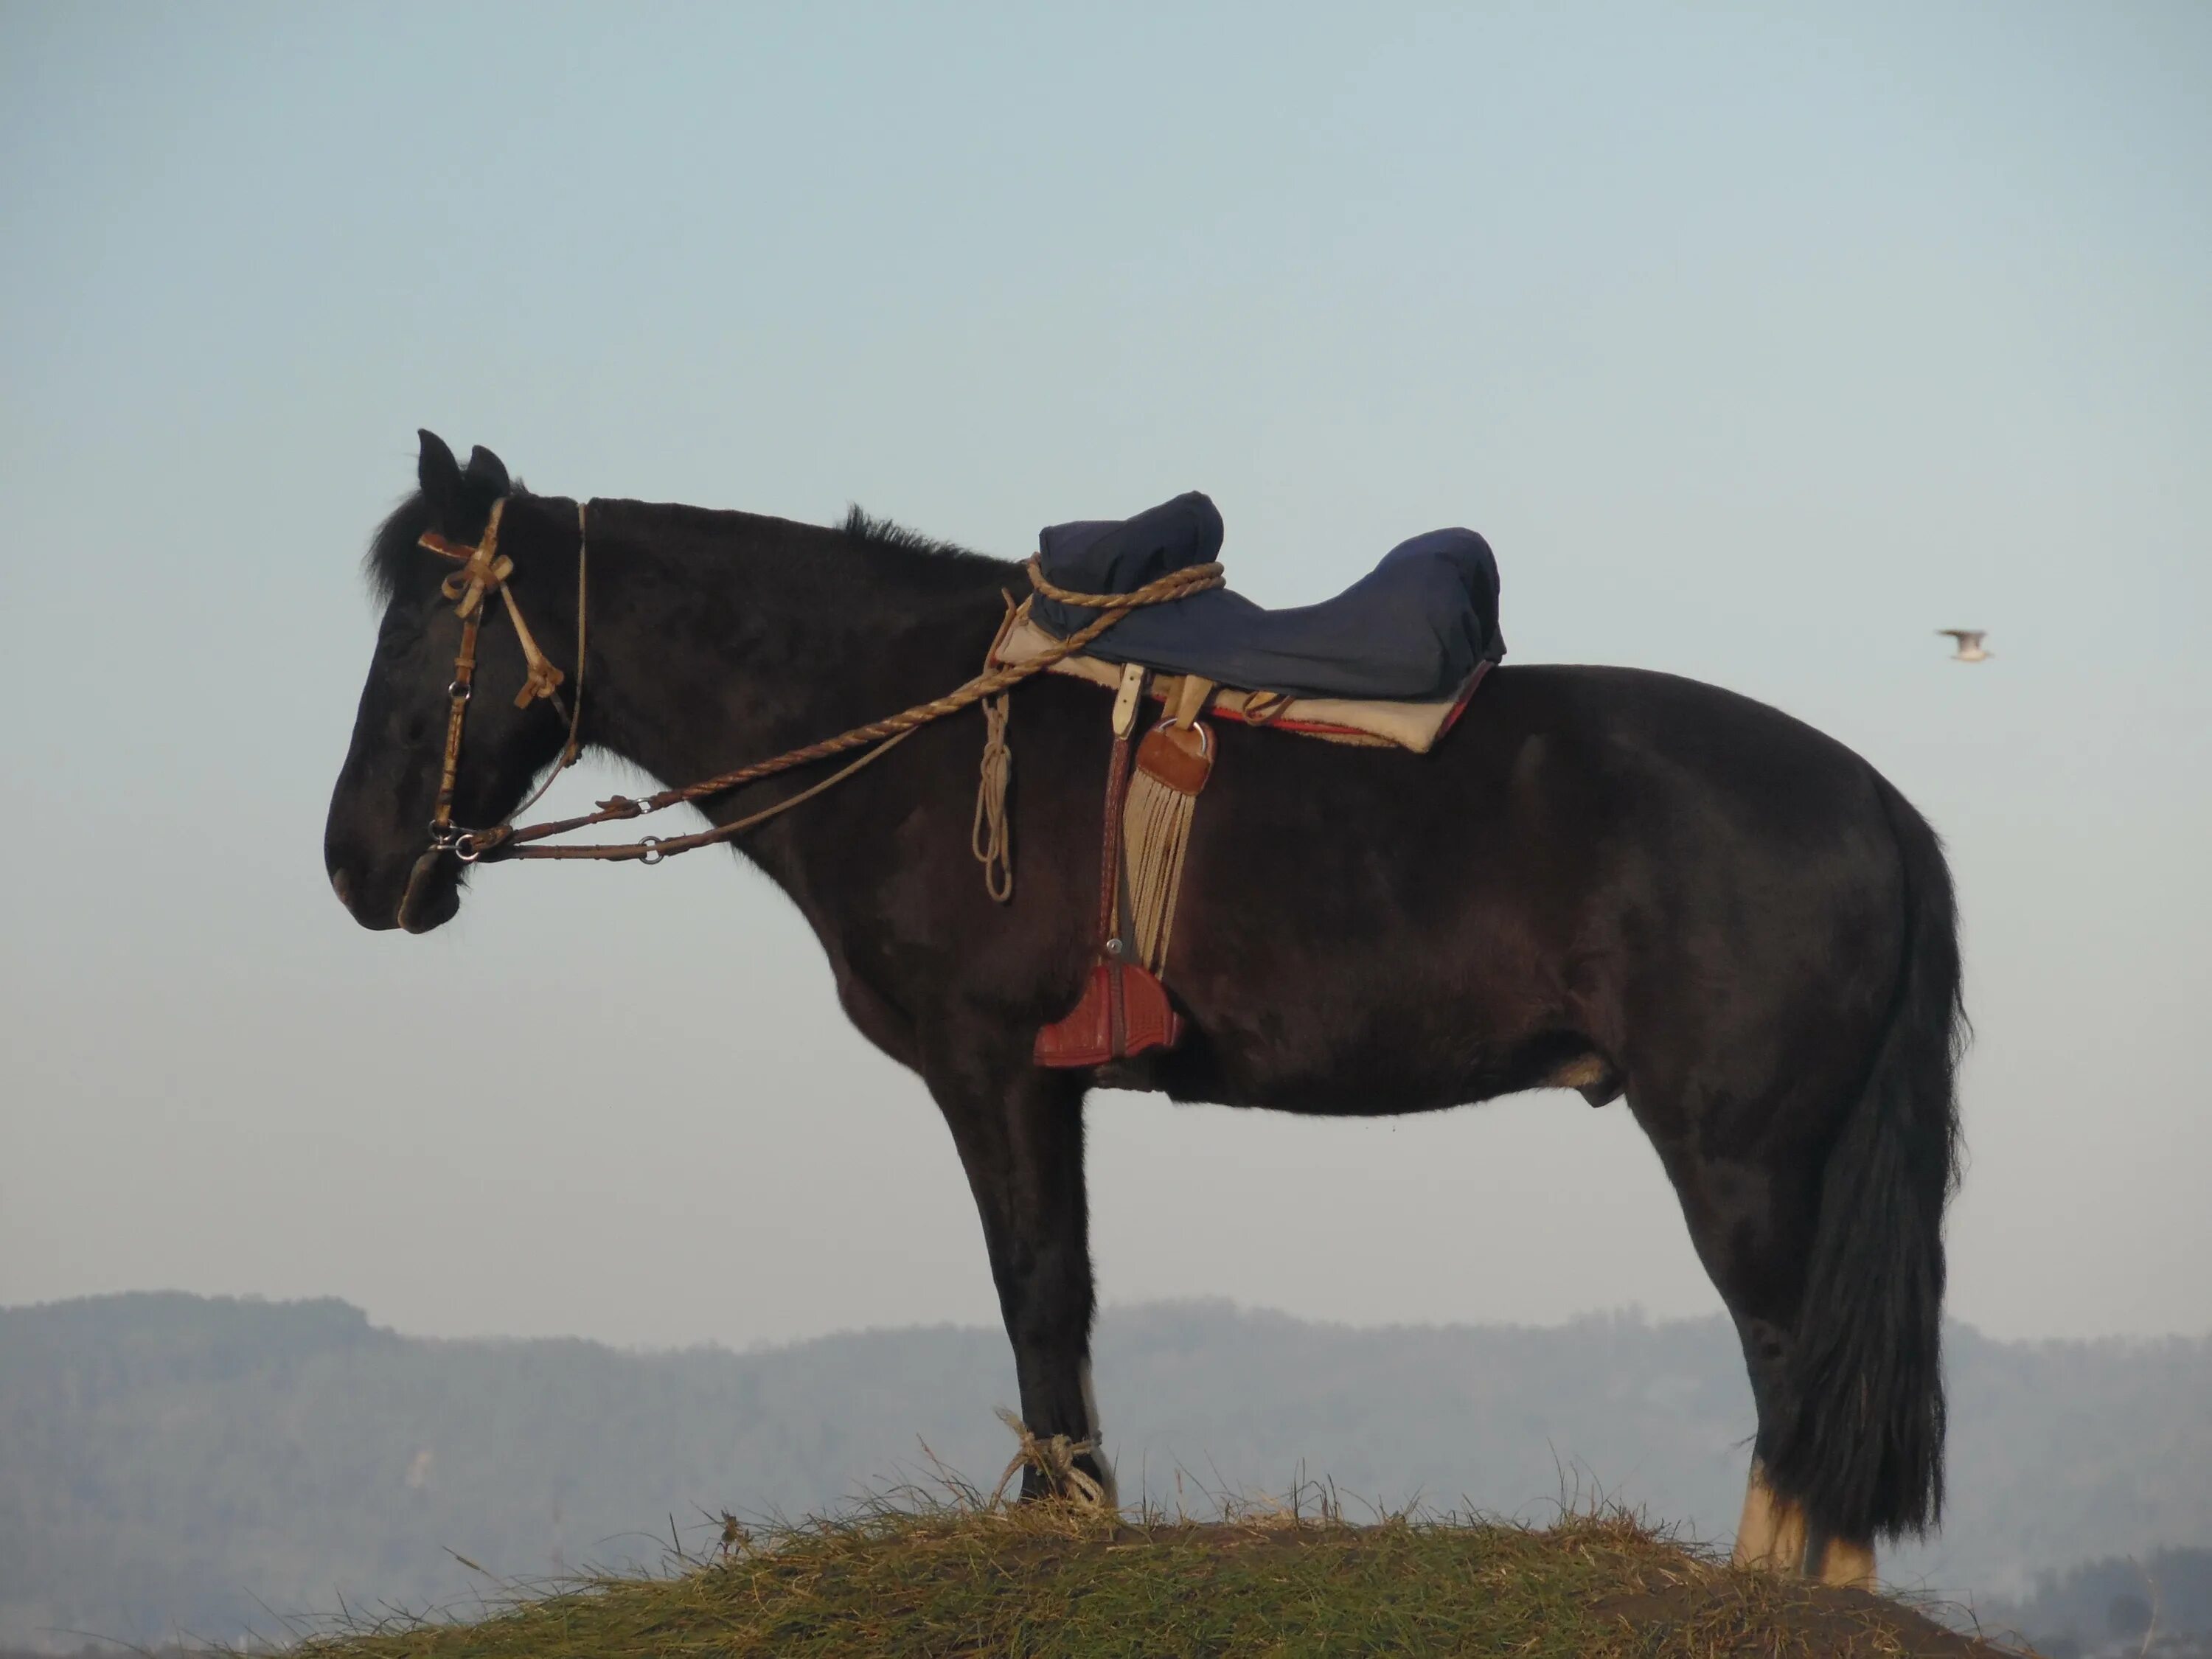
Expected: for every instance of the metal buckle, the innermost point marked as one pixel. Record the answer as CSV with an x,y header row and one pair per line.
x,y
652,854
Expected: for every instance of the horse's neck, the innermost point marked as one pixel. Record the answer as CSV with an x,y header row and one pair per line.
x,y
724,639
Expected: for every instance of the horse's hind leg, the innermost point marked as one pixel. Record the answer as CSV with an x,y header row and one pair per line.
x,y
1775,1534
1840,1561
1752,1219
1019,1131
1770,1533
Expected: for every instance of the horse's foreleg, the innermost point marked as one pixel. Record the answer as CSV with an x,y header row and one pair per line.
x,y
1020,1137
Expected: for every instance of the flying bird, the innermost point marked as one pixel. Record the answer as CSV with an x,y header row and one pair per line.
x,y
1970,644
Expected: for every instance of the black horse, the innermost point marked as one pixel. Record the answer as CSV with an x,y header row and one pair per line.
x,y
1620,881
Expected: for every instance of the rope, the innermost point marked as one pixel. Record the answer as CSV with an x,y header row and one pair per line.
x,y
503,842
1052,1457
1175,585
991,837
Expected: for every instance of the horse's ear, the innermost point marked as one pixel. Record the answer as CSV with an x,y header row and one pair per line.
x,y
436,471
487,472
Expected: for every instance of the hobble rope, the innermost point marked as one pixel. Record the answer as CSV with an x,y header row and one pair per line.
x,y
1054,1457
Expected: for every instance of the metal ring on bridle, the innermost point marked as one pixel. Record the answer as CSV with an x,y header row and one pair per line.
x,y
652,854
466,848
461,691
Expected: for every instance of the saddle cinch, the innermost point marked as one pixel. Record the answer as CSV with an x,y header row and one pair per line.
x,y
1389,662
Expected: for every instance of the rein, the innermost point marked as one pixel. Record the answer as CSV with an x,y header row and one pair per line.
x,y
485,570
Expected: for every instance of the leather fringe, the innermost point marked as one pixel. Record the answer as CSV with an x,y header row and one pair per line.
x,y
1172,766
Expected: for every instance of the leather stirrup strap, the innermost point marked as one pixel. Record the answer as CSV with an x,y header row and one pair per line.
x,y
1126,701
1190,699
1123,1010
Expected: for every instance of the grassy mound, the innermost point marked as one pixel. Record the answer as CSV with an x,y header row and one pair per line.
x,y
1052,1580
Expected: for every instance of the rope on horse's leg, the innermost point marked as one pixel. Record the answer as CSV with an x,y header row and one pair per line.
x,y
1052,1457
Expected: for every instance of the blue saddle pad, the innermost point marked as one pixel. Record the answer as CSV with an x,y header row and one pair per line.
x,y
1411,631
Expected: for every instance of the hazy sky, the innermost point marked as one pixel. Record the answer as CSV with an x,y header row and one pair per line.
x,y
1760,347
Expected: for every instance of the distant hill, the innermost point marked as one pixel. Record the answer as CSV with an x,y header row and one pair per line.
x,y
174,1463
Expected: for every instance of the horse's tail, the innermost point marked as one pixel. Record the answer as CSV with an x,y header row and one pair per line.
x,y
1860,1440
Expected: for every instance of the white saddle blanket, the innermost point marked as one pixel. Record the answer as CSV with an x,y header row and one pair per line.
x,y
1413,726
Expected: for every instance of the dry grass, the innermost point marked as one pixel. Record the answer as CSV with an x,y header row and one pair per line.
x,y
1052,1579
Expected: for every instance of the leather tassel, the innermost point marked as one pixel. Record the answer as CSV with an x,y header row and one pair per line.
x,y
1173,765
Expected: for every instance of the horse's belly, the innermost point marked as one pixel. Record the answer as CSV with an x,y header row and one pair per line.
x,y
1360,1047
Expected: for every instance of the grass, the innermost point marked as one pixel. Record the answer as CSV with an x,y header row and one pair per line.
x,y
1052,1581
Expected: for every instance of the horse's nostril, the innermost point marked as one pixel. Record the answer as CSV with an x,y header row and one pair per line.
x,y
342,887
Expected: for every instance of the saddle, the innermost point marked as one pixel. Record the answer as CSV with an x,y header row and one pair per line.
x,y
1412,630
1392,660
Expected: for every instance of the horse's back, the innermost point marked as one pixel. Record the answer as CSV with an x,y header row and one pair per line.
x,y
1592,852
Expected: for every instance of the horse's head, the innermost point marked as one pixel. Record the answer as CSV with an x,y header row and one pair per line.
x,y
379,844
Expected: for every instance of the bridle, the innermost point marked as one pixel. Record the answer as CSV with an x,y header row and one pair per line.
x,y
484,571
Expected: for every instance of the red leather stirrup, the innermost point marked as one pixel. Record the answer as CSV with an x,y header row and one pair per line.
x,y
1125,1011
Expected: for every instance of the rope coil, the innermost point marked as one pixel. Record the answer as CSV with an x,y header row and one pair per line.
x,y
991,837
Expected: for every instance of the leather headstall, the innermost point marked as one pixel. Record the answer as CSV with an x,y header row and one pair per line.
x,y
484,571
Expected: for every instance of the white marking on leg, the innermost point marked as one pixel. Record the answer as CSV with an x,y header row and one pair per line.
x,y
1841,1561
1092,1432
1772,1533
1090,1401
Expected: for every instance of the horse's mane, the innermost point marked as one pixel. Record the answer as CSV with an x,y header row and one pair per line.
x,y
394,562
393,555
392,552
958,567
864,527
